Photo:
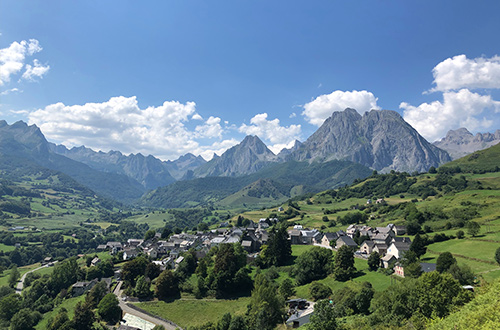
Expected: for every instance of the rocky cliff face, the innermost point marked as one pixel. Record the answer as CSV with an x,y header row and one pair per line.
x,y
247,157
459,143
381,140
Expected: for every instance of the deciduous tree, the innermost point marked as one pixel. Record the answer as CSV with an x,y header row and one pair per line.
x,y
109,309
374,261
343,268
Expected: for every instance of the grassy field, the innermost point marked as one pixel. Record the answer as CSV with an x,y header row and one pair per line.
x,y
4,277
69,304
195,312
378,280
7,248
155,219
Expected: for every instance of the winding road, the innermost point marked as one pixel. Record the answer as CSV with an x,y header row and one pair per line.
x,y
20,283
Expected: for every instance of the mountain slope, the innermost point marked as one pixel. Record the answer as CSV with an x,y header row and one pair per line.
x,y
487,160
22,143
459,143
278,178
379,139
248,157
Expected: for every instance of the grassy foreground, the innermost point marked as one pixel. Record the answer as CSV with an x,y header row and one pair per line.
x,y
195,312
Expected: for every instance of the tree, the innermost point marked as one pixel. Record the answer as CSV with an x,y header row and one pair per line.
x,y
142,288
462,274
374,261
166,232
25,319
224,322
418,246
109,309
497,255
413,270
266,307
133,269
343,268
323,317
167,286
363,299
473,228
445,261
229,259
286,288
149,234
312,265
84,317
460,234
14,276
238,323
319,291
279,249
95,294
60,321
9,306
152,271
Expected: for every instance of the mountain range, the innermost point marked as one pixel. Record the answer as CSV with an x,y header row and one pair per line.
x,y
347,146
461,142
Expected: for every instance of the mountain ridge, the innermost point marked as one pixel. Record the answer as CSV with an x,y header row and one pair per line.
x,y
379,139
460,142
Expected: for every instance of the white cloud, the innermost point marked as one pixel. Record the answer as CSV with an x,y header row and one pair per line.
x,y
37,70
12,60
460,72
272,131
218,147
458,109
276,148
323,106
120,124
292,115
12,90
211,128
197,117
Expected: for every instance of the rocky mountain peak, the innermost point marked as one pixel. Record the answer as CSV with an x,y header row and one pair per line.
x,y
379,139
247,157
460,142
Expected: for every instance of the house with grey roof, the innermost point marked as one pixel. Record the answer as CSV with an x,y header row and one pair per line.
x,y
345,240
397,249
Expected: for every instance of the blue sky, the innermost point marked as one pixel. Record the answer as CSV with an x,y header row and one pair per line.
x,y
171,77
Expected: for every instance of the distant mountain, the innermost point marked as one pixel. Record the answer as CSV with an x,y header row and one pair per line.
x,y
189,162
284,153
248,157
274,183
20,143
149,171
379,139
459,143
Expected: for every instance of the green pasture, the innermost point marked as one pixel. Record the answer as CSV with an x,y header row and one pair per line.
x,y
69,304
4,276
195,312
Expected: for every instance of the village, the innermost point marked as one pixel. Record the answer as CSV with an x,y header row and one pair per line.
x,y
387,241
